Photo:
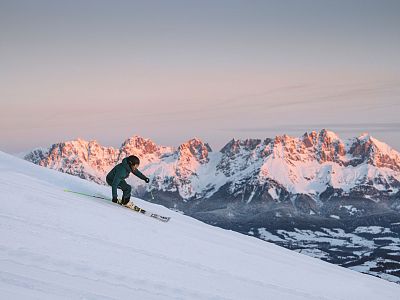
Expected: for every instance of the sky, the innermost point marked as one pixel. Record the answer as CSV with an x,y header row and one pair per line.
x,y
216,70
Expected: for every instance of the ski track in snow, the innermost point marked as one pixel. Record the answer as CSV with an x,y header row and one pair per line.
x,y
57,245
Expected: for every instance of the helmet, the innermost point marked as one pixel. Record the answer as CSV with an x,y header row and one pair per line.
x,y
133,160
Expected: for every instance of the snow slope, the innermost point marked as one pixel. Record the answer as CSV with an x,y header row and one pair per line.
x,y
57,245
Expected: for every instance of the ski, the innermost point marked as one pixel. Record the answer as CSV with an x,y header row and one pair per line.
x,y
130,206
147,213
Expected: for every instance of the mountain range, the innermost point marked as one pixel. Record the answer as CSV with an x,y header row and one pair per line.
x,y
304,171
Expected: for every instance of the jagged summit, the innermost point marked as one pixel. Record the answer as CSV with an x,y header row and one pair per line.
x,y
374,152
194,148
139,146
139,142
364,136
234,145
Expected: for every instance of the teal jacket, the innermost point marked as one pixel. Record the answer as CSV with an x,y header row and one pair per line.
x,y
119,173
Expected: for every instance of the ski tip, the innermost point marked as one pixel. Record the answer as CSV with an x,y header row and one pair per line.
x,y
164,219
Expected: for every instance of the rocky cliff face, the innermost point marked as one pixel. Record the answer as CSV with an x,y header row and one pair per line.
x,y
88,160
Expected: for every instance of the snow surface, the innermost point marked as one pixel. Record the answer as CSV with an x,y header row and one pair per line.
x,y
336,237
372,229
58,245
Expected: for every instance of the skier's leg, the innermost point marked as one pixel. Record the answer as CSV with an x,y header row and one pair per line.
x,y
126,192
110,182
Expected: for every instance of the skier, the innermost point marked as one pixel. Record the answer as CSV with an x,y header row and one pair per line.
x,y
116,178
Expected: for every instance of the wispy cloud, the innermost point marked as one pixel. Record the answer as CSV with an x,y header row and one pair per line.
x,y
339,127
361,96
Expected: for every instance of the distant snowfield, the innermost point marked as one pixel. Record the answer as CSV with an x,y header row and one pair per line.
x,y
58,245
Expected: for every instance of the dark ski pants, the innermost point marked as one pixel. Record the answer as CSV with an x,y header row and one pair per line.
x,y
126,190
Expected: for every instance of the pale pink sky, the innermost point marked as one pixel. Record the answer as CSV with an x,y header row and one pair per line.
x,y
106,70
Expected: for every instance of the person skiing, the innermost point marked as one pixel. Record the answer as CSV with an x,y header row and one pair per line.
x,y
116,178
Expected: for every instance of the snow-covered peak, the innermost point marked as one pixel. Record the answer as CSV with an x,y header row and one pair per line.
x,y
235,146
321,139
139,144
365,136
240,157
370,150
88,160
329,134
35,156
384,148
312,162
194,148
314,146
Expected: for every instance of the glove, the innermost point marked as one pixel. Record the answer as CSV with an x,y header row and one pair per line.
x,y
114,199
147,180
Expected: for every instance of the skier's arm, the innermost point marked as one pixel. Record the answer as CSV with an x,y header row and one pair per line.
x,y
140,175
